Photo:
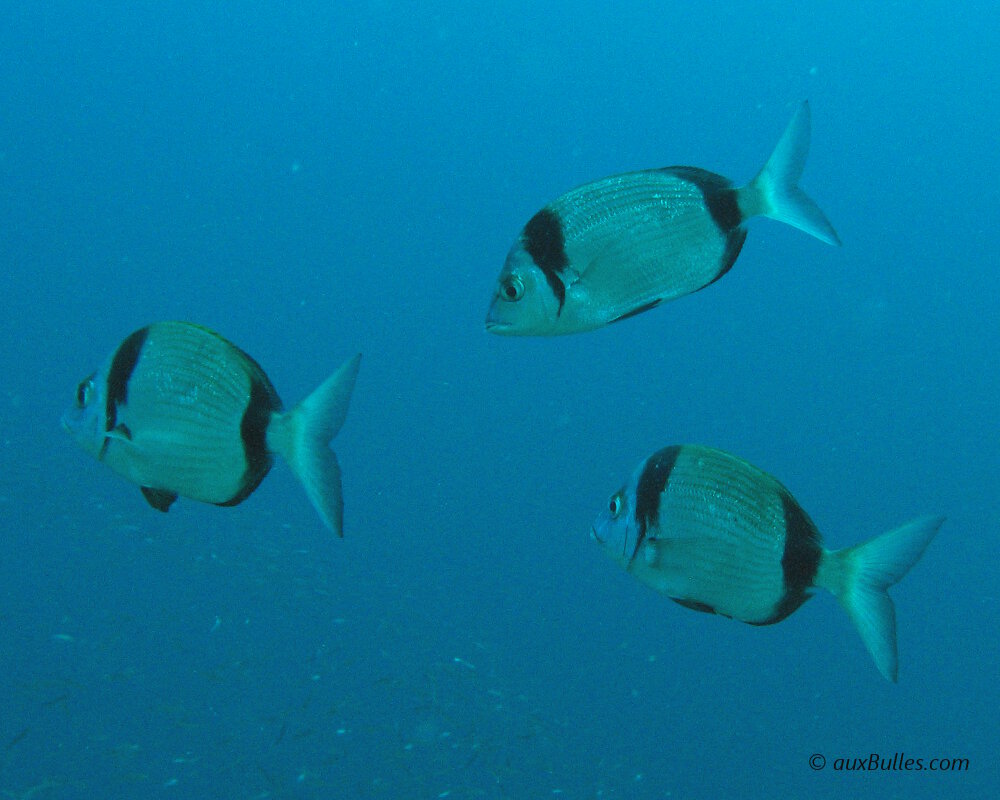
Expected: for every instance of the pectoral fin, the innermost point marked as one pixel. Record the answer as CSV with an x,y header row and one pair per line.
x,y
628,281
119,433
160,499
677,567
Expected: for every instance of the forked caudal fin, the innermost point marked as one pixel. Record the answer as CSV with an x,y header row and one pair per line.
x,y
775,192
859,576
302,436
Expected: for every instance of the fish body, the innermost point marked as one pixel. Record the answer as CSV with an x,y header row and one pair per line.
x,y
618,246
717,534
181,411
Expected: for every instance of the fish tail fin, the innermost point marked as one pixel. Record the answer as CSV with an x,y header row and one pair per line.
x,y
775,192
302,436
861,575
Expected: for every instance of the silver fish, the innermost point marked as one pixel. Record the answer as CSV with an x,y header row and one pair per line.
x,y
616,247
717,534
181,411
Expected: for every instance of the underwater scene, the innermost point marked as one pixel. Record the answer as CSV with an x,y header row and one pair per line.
x,y
632,458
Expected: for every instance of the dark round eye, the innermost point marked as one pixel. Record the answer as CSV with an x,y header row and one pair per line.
x,y
83,392
615,506
511,288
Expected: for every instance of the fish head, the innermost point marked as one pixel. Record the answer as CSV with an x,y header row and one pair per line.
x,y
615,529
84,420
524,303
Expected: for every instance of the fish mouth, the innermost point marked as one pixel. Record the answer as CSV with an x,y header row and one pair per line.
x,y
493,322
594,536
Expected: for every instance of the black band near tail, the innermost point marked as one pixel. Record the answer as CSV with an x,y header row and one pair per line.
x,y
800,561
720,196
253,431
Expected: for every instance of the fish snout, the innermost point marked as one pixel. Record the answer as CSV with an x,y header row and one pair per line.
x,y
494,323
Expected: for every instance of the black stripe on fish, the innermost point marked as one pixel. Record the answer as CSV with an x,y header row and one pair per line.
x,y
733,246
800,561
649,491
719,194
543,239
122,366
638,310
253,431
802,546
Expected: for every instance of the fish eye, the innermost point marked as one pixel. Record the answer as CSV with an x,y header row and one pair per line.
x,y
511,288
84,392
615,505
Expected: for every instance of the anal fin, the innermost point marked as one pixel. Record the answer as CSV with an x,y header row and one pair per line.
x,y
694,605
637,310
160,499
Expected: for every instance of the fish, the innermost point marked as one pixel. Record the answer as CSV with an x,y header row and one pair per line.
x,y
619,246
181,411
716,534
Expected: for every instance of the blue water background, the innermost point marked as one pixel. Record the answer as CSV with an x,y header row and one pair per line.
x,y
314,179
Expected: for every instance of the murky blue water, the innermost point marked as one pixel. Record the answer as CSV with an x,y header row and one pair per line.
x,y
325,178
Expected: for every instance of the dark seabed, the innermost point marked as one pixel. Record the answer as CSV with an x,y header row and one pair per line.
x,y
314,179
